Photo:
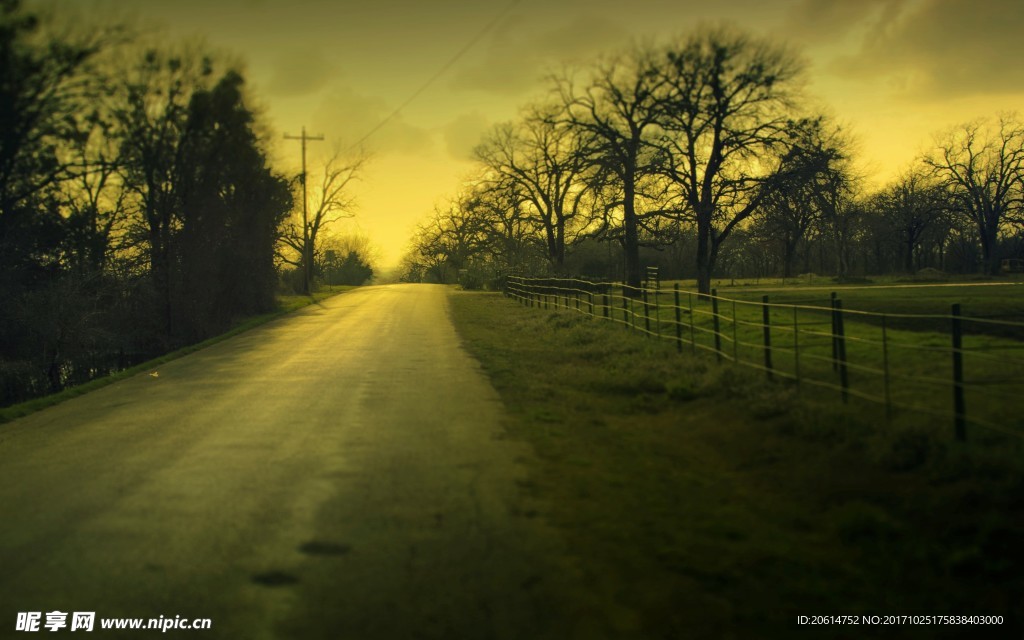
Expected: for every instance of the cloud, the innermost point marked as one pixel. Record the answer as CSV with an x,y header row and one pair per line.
x,y
348,116
301,71
941,48
518,55
824,21
464,133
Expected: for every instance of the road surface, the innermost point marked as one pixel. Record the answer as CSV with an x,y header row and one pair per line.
x,y
338,473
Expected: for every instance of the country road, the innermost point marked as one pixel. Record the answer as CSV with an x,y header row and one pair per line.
x,y
338,473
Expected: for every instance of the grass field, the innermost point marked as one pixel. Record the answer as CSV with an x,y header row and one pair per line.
x,y
899,362
702,501
998,300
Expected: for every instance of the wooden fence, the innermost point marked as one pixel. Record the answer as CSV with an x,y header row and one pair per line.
x,y
970,373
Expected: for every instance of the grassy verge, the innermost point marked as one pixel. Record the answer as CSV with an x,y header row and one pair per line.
x,y
907,359
285,305
705,502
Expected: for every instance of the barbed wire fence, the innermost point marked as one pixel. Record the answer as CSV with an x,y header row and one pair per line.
x,y
967,370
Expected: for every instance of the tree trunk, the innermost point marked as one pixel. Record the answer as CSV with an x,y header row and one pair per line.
x,y
631,241
307,266
160,267
788,257
989,254
705,259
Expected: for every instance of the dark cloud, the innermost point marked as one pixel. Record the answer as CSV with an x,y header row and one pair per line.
x,y
822,21
520,53
300,71
942,48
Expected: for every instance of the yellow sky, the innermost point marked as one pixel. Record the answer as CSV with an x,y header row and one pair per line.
x,y
893,71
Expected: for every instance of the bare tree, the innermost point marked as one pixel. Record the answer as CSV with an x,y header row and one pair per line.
x,y
151,113
791,202
726,103
449,242
500,206
841,216
982,166
546,161
96,197
331,201
617,109
911,206
46,80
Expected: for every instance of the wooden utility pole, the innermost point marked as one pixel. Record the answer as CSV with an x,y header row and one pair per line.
x,y
307,250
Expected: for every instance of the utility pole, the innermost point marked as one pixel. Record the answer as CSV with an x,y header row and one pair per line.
x,y
307,250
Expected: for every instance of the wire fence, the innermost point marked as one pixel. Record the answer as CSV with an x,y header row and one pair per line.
x,y
971,374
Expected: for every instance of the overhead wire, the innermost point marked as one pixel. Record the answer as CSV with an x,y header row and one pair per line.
x,y
440,72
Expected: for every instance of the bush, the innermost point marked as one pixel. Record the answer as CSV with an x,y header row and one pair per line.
x,y
928,274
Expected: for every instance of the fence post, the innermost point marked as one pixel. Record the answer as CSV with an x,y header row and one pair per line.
x,y
959,406
693,340
590,302
714,314
607,306
735,339
767,322
625,302
835,332
844,376
679,324
796,344
647,314
885,368
657,308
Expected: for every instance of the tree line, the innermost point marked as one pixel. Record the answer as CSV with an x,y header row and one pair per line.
x,y
138,209
700,156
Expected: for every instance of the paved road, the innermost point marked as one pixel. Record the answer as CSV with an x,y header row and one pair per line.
x,y
338,473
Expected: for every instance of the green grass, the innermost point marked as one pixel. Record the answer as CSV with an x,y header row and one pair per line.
x,y
285,304
999,300
700,501
907,363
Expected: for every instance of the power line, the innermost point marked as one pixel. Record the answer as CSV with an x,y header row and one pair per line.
x,y
461,52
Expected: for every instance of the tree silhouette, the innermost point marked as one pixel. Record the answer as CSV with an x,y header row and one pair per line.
x,y
981,165
912,205
332,200
726,105
231,205
617,108
546,161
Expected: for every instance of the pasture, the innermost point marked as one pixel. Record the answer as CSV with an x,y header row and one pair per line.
x,y
898,347
703,500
